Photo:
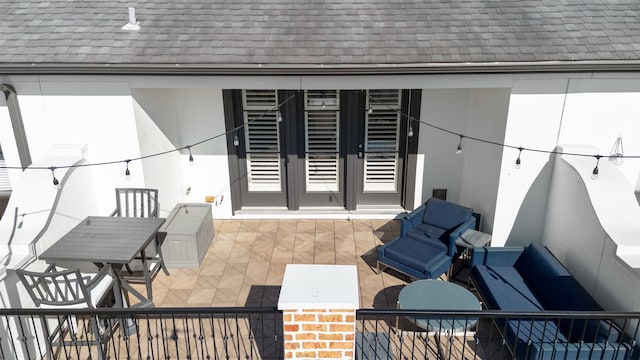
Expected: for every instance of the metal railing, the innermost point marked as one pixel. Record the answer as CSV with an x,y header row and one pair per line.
x,y
257,333
393,334
156,333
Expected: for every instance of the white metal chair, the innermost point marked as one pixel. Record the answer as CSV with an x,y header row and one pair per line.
x,y
71,289
141,202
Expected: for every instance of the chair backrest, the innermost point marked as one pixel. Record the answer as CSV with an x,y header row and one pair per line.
x,y
136,202
445,215
64,288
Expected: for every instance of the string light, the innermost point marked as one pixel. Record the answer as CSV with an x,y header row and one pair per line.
x,y
279,116
410,133
618,156
324,105
518,159
594,173
127,173
370,109
56,183
190,155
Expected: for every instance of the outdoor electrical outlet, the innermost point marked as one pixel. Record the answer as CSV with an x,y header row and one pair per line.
x,y
209,198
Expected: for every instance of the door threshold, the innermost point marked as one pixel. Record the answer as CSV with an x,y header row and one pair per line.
x,y
368,212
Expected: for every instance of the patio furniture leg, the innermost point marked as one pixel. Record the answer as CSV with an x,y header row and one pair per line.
x,y
147,276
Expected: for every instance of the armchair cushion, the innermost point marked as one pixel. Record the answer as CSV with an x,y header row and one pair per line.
x,y
445,215
416,257
430,230
414,252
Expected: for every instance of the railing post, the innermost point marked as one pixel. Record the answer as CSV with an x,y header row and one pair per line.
x,y
319,304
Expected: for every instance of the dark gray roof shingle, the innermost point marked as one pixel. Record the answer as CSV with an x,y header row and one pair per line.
x,y
332,32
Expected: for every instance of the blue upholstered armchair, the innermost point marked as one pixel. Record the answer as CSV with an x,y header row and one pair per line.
x,y
426,246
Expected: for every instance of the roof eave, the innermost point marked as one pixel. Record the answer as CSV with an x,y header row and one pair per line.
x,y
318,69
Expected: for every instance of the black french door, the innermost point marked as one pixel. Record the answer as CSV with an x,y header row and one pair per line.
x,y
320,148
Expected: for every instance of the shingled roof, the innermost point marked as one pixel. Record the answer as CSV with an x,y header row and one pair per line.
x,y
242,35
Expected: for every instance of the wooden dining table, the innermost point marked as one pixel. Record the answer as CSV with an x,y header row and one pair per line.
x,y
109,241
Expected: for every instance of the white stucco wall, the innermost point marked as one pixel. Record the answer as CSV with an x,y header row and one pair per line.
x,y
576,109
470,178
96,111
598,111
587,223
482,161
533,121
102,113
174,118
442,166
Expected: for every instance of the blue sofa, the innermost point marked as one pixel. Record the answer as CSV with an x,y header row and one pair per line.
x,y
530,279
426,245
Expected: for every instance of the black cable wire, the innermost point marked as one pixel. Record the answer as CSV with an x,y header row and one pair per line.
x,y
491,142
276,107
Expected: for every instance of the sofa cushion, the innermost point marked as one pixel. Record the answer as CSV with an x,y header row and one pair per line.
x,y
539,268
504,288
445,215
571,296
414,253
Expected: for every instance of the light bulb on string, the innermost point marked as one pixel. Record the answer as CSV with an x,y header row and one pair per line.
x,y
56,183
324,104
236,141
370,109
594,173
518,162
459,150
279,116
190,155
410,133
127,173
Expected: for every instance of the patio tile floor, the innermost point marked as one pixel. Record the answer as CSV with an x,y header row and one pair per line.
x,y
246,261
245,264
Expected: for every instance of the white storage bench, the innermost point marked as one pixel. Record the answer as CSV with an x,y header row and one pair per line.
x,y
189,229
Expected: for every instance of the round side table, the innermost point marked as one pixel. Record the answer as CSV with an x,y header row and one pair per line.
x,y
439,295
